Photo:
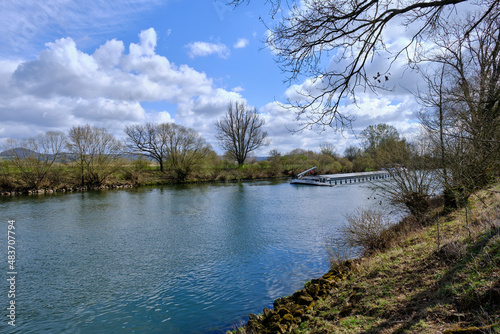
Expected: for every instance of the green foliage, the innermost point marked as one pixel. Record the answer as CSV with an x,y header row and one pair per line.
x,y
6,176
377,136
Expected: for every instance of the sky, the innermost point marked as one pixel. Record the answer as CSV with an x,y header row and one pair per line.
x,y
111,64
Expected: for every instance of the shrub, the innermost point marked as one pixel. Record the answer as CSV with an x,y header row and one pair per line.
x,y
368,229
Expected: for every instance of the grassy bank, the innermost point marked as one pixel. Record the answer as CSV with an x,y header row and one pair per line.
x,y
440,277
67,177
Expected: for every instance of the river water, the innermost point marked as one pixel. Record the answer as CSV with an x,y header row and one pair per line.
x,y
173,259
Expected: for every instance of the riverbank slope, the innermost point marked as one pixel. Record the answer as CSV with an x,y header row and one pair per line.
x,y
440,278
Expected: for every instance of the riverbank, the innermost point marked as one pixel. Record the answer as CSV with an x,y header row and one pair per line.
x,y
127,185
443,277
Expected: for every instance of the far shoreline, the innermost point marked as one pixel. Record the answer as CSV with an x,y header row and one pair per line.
x,y
121,186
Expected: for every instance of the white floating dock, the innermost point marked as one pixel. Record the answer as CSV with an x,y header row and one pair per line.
x,y
336,179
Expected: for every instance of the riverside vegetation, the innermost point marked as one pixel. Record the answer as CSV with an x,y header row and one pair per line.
x,y
92,158
439,275
138,171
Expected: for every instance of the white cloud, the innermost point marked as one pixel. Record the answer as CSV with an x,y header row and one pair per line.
x,y
203,49
241,43
238,89
26,22
146,46
141,75
109,55
65,86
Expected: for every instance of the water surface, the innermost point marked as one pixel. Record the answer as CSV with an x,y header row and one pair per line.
x,y
176,259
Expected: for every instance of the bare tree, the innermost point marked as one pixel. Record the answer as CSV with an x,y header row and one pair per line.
x,y
97,152
240,131
34,157
149,140
436,119
467,96
328,149
353,31
413,185
186,149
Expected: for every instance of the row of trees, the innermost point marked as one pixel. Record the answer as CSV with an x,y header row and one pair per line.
x,y
95,154
456,49
98,154
239,133
89,156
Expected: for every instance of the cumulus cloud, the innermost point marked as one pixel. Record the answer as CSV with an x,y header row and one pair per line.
x,y
109,55
241,43
65,86
203,49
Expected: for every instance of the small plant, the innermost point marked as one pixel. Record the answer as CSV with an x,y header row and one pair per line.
x,y
368,229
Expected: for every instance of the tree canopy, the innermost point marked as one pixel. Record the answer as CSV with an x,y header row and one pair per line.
x,y
375,136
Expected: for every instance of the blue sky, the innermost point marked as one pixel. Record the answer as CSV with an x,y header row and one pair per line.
x,y
112,64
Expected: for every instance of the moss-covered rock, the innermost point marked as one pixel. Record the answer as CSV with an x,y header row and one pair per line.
x,y
290,311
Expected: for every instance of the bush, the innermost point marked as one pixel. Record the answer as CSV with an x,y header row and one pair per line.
x,y
368,229
6,179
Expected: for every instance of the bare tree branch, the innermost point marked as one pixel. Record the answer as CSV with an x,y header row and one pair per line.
x,y
351,31
97,152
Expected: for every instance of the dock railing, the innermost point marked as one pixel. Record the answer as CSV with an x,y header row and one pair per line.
x,y
335,179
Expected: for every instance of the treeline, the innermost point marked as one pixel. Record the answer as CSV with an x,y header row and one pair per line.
x,y
152,153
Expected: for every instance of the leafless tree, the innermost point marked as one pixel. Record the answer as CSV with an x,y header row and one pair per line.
x,y
353,31
413,185
149,140
34,157
328,149
186,150
435,118
467,97
240,131
97,153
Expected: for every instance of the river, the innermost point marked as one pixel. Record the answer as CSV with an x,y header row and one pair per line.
x,y
173,259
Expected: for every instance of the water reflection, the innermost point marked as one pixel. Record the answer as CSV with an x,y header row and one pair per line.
x,y
177,259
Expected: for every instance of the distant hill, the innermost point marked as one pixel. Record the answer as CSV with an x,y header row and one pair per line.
x,y
62,157
24,153
67,157
19,151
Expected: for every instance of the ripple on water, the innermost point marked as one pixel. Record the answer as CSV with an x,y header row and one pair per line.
x,y
188,259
